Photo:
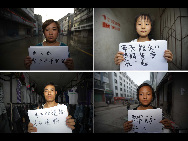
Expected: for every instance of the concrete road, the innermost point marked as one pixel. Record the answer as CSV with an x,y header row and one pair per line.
x,y
110,119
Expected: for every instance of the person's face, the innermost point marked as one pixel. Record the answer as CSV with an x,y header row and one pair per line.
x,y
50,93
145,95
143,27
51,32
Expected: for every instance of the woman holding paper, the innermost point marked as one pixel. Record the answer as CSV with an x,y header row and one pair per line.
x,y
145,95
143,24
51,31
50,94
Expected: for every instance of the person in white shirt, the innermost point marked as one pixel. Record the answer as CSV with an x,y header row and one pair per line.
x,y
50,94
143,24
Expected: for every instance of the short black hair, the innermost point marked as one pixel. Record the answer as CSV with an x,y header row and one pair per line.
x,y
49,83
148,18
145,84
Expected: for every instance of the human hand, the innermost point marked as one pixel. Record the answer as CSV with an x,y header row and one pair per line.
x,y
168,56
128,126
31,128
119,58
166,123
69,63
70,122
27,62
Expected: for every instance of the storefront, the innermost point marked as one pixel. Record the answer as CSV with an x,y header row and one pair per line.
x,y
23,91
108,95
99,95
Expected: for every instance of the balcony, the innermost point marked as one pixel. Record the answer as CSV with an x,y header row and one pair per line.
x,y
13,16
82,27
28,13
105,79
80,18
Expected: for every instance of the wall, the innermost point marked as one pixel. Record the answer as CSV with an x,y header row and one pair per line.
x,y
174,29
2,28
180,104
184,22
6,89
22,30
106,41
169,93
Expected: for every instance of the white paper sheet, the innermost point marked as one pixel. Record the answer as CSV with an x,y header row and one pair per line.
x,y
144,55
146,121
48,57
50,120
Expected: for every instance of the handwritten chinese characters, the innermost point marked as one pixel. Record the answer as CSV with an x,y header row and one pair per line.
x,y
50,120
110,23
48,57
144,55
146,121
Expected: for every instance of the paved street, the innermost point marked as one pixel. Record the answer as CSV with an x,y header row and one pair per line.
x,y
110,119
12,54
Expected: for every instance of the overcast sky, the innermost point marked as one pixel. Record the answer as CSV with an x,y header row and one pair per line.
x,y
53,13
139,77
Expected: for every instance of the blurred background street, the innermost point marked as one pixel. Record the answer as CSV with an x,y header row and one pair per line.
x,y
110,119
21,28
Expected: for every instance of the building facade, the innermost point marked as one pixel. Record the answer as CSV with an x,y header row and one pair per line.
x,y
66,24
16,22
114,87
83,22
102,91
123,86
171,95
38,25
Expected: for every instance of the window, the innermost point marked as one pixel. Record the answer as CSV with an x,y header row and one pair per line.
x,y
115,74
116,87
120,78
